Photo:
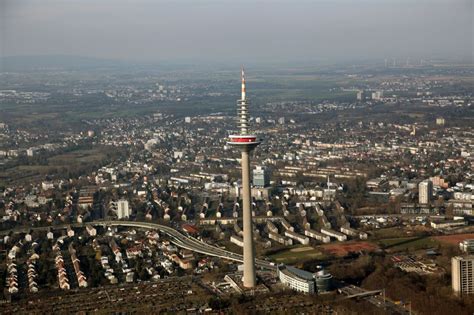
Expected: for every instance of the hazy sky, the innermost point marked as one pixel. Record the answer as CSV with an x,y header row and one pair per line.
x,y
241,30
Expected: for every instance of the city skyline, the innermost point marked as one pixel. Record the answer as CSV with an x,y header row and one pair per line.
x,y
125,185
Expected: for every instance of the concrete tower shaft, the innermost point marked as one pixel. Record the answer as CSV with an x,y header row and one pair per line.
x,y
249,279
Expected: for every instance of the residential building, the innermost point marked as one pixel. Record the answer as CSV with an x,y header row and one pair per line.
x,y
298,237
337,235
440,121
467,246
425,192
123,209
462,274
318,236
377,95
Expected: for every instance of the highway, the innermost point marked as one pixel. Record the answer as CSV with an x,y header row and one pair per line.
x,y
176,237
187,242
374,298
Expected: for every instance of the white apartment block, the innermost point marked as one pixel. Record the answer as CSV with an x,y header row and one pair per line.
x,y
462,274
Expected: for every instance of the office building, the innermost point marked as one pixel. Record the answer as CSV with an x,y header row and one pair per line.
x,y
304,281
261,176
297,279
323,281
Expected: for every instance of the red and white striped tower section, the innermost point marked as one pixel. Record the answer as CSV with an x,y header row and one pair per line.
x,y
246,142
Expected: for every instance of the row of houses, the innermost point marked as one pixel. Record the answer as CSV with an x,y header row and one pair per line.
x,y
63,279
32,284
12,279
81,278
317,235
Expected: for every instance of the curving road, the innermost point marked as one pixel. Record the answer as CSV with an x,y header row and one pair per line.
x,y
187,242
176,237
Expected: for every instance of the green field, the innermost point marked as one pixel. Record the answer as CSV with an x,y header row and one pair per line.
x,y
81,156
64,163
390,233
296,254
408,243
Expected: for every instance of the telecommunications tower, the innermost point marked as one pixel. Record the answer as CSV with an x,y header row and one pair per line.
x,y
246,142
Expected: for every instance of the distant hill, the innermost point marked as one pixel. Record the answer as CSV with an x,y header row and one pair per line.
x,y
60,62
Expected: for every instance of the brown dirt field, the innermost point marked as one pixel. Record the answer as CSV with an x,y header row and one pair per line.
x,y
342,249
454,239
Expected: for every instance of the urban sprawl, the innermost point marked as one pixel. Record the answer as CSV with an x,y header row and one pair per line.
x,y
124,191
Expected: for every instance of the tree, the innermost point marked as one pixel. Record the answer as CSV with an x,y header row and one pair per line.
x,y
216,303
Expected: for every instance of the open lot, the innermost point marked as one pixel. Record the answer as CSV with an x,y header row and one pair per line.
x,y
454,239
343,249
